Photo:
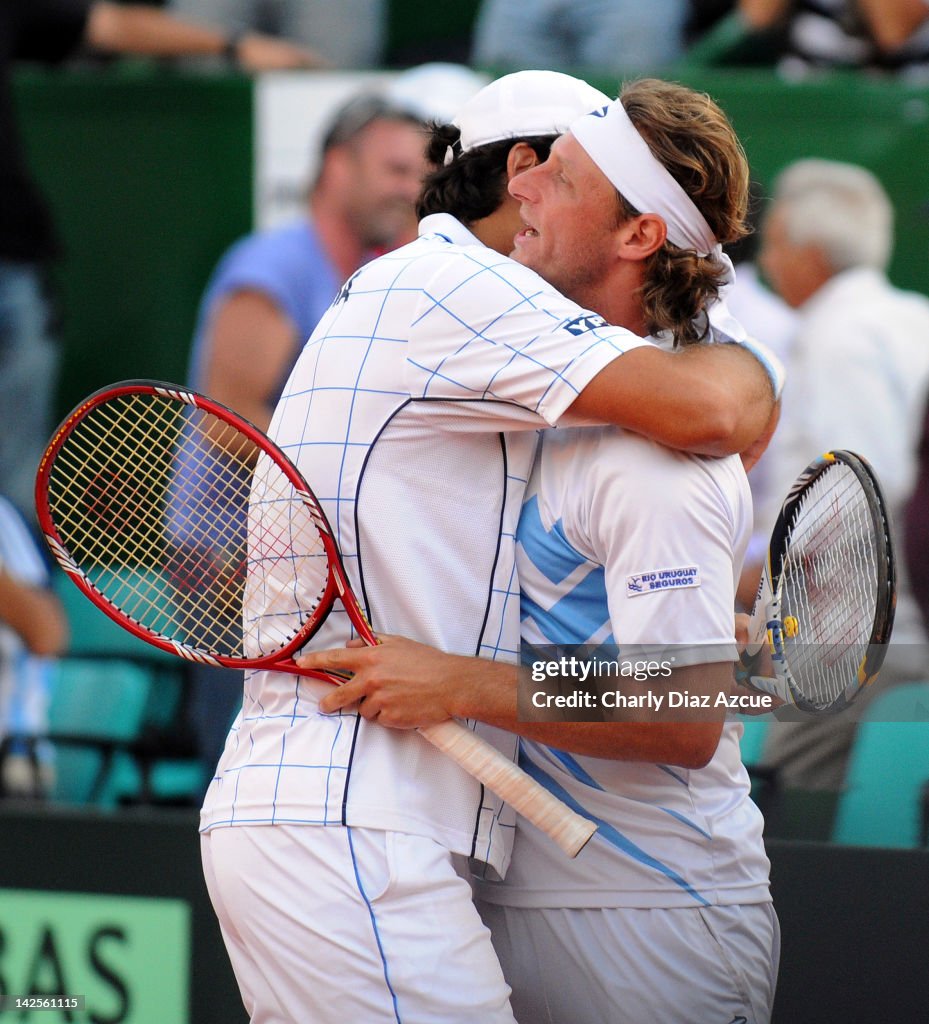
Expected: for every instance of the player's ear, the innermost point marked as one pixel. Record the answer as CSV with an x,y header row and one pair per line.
x,y
521,157
640,236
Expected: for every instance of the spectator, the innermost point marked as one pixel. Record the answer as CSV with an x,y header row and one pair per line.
x,y
348,33
882,35
435,91
703,16
271,288
591,35
858,379
49,31
916,529
32,630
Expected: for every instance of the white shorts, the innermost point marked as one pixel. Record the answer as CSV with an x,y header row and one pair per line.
x,y
346,925
701,965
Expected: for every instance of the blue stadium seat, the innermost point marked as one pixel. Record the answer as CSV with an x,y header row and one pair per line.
x,y
97,708
96,635
888,772
162,781
130,769
753,738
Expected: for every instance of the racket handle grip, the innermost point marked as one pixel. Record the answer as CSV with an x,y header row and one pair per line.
x,y
770,685
498,773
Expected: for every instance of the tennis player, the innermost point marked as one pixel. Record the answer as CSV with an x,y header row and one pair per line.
x,y
414,409
667,914
678,862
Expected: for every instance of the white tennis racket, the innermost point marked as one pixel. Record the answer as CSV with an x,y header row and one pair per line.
x,y
825,604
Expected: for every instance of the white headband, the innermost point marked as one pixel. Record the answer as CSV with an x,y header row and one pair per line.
x,y
612,141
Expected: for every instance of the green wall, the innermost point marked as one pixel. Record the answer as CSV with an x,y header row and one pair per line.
x,y
149,177
877,123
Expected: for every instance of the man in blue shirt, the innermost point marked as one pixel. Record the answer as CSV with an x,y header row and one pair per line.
x,y
271,288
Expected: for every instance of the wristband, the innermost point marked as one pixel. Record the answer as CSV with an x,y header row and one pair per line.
x,y
772,365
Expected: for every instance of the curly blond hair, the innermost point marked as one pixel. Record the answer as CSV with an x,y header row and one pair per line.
x,y
695,141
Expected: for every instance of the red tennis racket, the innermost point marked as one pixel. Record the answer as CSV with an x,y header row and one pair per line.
x,y
176,517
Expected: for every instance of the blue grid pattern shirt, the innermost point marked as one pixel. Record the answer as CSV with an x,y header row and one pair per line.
x,y
413,412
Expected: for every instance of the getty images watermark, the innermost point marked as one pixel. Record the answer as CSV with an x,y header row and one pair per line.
x,y
606,684
592,684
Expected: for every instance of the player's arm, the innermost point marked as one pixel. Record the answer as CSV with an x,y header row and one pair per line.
x,y
687,739
892,22
759,446
146,30
249,345
709,399
405,684
34,614
763,14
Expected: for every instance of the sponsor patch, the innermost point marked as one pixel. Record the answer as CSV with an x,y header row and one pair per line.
x,y
662,579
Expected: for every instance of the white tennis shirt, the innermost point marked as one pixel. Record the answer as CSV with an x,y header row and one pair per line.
x,y
412,412
606,514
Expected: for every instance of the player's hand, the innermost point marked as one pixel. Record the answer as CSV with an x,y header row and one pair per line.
x,y
400,683
257,52
763,667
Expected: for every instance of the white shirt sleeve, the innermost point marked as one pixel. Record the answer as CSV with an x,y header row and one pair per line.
x,y
670,530
490,329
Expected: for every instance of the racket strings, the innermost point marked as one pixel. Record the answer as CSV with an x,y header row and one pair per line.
x,y
829,582
288,572
153,500
95,490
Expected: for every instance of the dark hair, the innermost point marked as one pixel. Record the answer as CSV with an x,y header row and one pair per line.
x,y
473,185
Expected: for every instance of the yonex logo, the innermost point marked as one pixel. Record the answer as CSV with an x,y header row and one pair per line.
x,y
346,288
582,324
